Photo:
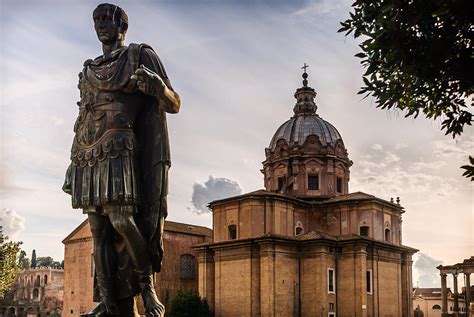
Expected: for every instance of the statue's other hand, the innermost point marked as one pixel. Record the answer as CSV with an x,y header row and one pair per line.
x,y
148,81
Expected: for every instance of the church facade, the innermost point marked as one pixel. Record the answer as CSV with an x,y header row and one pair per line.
x,y
305,246
179,271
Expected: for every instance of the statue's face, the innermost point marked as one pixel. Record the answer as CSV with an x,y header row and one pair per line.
x,y
106,28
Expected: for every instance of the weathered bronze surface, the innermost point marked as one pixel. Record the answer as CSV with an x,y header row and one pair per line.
x,y
119,164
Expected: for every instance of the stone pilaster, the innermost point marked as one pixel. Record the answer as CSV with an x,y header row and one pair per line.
x,y
267,279
360,281
206,272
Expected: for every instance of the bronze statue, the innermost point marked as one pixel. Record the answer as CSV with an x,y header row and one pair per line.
x,y
120,160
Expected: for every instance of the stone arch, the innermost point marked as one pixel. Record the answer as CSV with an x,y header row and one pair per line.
x,y
45,279
38,281
35,294
11,312
281,148
312,144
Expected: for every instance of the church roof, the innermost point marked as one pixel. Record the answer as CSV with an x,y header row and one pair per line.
x,y
257,193
360,196
311,235
187,228
352,197
428,291
169,226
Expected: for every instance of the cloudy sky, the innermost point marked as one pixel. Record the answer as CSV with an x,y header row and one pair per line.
x,y
236,65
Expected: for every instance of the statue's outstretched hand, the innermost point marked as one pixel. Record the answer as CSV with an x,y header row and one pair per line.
x,y
149,82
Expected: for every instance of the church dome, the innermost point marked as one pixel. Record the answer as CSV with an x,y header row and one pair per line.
x,y
296,130
306,156
306,122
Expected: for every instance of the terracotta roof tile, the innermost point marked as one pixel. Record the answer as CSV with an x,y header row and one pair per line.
x,y
187,228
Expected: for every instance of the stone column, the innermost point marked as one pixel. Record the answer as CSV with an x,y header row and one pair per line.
x,y
468,292
456,294
444,298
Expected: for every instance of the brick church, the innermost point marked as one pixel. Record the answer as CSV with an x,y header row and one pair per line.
x,y
303,246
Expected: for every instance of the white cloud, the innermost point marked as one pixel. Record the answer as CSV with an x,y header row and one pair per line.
x,y
377,147
400,146
11,222
57,120
425,273
318,7
448,148
213,189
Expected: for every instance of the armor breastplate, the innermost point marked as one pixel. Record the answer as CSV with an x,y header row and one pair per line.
x,y
105,124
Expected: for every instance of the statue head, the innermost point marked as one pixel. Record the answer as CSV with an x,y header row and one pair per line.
x,y
110,23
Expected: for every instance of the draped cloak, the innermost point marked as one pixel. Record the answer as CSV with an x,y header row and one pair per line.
x,y
141,143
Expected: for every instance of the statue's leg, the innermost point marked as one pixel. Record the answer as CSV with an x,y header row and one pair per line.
x,y
123,222
101,229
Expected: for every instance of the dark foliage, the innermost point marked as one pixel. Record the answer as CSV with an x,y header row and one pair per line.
x,y
469,169
189,304
418,57
9,265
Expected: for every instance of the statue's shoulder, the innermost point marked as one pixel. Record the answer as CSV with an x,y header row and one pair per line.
x,y
87,62
138,48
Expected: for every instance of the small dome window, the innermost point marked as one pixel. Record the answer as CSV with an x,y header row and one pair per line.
x,y
232,232
364,231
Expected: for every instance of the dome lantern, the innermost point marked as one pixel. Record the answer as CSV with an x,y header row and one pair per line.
x,y
305,97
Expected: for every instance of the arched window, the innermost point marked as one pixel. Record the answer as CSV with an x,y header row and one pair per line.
x,y
387,235
35,293
38,281
45,279
232,232
298,231
299,228
364,231
187,267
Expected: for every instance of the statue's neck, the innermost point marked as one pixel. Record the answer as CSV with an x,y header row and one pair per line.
x,y
107,49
